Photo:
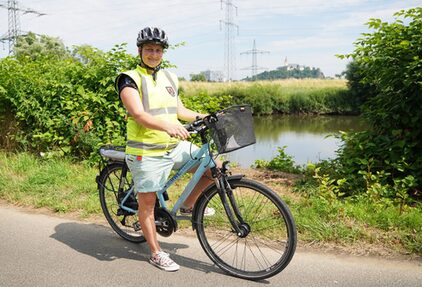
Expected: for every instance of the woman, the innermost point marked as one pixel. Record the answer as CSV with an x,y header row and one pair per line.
x,y
156,140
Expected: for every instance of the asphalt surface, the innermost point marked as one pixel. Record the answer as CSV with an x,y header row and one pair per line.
x,y
40,250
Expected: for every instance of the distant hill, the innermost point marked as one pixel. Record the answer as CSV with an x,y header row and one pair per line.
x,y
289,71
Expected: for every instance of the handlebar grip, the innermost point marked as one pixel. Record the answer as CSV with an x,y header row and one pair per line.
x,y
188,127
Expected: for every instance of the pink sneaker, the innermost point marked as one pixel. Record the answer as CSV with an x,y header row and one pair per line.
x,y
163,261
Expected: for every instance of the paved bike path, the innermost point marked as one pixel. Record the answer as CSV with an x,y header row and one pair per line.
x,y
40,250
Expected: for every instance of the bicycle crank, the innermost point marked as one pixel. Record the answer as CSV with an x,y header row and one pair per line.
x,y
164,222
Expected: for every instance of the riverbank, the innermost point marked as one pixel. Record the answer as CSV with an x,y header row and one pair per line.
x,y
290,96
61,187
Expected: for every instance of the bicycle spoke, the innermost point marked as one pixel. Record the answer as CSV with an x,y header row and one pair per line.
x,y
235,257
277,250
262,253
226,247
269,218
253,255
266,227
252,203
261,207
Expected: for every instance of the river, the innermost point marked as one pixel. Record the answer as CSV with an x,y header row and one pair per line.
x,y
306,138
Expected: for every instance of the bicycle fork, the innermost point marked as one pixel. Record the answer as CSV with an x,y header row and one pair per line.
x,y
225,192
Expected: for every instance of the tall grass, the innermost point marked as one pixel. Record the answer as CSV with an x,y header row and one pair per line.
x,y
56,184
356,221
316,96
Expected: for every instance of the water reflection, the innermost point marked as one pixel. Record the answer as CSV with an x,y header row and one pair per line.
x,y
305,137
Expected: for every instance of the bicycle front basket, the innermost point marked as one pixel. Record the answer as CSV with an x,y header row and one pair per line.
x,y
233,129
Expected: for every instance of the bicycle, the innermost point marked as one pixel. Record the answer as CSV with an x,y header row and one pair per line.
x,y
252,234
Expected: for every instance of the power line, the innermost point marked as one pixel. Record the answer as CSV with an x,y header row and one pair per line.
x,y
254,52
229,45
14,31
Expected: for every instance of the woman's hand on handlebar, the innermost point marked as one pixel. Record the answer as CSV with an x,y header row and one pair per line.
x,y
196,125
201,123
176,131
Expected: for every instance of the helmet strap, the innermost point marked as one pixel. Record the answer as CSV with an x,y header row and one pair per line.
x,y
154,70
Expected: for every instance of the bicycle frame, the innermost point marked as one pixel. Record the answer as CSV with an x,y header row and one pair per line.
x,y
203,156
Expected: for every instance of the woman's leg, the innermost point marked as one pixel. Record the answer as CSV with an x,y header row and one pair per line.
x,y
146,219
205,180
146,202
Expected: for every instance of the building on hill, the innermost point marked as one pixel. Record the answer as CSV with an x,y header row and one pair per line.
x,y
289,71
290,67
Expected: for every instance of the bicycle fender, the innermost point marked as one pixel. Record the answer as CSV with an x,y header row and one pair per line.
x,y
230,178
104,171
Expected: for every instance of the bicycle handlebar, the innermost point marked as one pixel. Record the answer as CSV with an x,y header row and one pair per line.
x,y
201,124
193,126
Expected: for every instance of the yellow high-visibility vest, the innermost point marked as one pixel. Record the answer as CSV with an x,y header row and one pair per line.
x,y
159,98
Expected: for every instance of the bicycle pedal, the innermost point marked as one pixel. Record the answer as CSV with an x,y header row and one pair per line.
x,y
136,226
120,212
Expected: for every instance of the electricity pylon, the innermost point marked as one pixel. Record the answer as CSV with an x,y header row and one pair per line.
x,y
14,30
254,66
229,45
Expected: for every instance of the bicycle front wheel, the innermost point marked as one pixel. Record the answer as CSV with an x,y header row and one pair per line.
x,y
269,243
124,223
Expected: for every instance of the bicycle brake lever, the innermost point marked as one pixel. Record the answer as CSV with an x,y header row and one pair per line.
x,y
188,127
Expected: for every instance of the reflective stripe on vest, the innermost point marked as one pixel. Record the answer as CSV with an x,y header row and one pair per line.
x,y
149,146
161,111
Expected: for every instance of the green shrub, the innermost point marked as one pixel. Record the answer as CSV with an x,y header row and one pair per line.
x,y
66,104
282,162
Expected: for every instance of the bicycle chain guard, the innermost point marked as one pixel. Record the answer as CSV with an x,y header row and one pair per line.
x,y
165,222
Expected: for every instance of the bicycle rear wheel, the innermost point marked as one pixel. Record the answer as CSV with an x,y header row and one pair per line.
x,y
270,242
124,223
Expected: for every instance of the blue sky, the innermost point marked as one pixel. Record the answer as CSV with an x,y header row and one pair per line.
x,y
307,32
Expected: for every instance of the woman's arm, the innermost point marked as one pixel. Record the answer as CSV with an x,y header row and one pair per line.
x,y
186,114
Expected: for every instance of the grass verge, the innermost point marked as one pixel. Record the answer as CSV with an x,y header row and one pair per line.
x,y
69,188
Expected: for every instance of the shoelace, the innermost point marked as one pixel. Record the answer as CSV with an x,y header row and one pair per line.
x,y
163,259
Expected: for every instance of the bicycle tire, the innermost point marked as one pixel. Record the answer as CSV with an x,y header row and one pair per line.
x,y
108,183
271,242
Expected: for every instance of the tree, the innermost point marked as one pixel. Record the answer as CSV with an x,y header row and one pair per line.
x,y
35,46
285,73
359,90
198,77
